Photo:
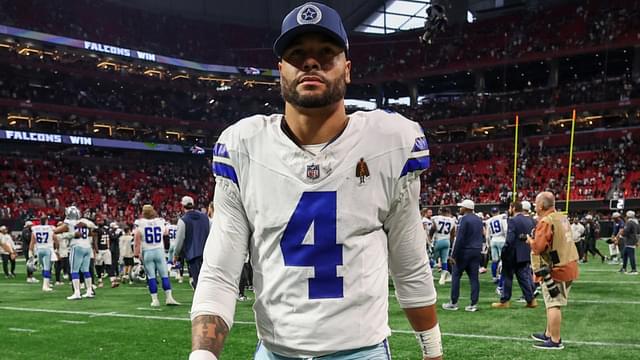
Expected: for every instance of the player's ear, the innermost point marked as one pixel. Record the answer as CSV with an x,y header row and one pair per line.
x,y
347,71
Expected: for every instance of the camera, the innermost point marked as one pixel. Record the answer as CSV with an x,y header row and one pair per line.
x,y
435,23
545,273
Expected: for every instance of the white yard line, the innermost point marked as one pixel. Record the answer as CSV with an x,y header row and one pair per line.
x,y
150,317
73,322
148,309
22,330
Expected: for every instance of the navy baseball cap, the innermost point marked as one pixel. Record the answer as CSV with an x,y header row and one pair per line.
x,y
311,17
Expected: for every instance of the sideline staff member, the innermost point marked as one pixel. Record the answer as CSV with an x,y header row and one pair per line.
x,y
553,247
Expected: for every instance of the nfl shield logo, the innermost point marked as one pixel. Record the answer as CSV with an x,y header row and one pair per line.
x,y
313,171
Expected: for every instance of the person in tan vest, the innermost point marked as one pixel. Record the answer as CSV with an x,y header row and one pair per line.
x,y
553,253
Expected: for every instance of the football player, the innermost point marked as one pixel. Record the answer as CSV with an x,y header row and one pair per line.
x,y
43,242
323,240
126,247
443,232
103,258
81,248
175,261
62,265
148,243
496,233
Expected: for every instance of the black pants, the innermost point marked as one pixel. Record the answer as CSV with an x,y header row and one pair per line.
x,y
115,256
246,278
629,254
6,259
25,251
591,248
523,274
62,266
194,270
580,246
468,261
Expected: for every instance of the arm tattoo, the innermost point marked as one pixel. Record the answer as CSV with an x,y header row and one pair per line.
x,y
208,333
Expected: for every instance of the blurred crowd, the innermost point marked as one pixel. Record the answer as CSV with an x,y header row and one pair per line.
x,y
109,184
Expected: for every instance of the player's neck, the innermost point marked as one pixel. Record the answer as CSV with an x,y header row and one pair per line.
x,y
318,125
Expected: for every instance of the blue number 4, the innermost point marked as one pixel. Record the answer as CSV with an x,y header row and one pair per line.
x,y
319,209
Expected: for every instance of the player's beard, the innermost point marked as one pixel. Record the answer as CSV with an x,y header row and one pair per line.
x,y
335,91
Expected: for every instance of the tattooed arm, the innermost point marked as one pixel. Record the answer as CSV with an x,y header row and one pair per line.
x,y
208,333
214,300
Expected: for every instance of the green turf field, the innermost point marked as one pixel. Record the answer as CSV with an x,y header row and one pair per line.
x,y
601,322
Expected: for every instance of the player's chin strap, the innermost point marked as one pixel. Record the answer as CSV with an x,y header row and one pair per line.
x,y
430,341
202,355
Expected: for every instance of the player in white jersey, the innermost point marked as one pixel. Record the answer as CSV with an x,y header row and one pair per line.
x,y
496,235
43,242
328,206
443,232
177,266
148,243
81,250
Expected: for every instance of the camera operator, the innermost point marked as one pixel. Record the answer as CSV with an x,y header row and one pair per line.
x,y
555,259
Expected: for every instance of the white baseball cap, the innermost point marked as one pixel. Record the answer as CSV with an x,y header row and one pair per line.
x,y
526,206
631,213
615,214
28,223
467,204
186,200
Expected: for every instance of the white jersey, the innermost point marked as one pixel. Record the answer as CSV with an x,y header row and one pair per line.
x,y
151,232
85,240
497,228
444,226
577,232
172,230
324,231
43,235
427,224
8,240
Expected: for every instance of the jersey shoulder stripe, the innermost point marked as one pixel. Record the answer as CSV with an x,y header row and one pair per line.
x,y
225,170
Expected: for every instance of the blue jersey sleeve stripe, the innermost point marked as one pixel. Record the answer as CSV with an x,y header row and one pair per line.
x,y
224,170
420,144
417,164
220,150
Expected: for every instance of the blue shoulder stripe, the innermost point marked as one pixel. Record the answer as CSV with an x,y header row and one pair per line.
x,y
220,150
417,164
420,144
224,170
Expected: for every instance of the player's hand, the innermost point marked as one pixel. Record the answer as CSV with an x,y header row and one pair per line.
x,y
452,260
13,256
175,260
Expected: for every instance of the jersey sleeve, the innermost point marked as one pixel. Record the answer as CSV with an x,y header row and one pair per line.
x,y
418,159
224,255
225,158
408,262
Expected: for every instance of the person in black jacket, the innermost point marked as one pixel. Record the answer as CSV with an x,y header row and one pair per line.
x,y
516,258
466,256
192,233
630,235
26,240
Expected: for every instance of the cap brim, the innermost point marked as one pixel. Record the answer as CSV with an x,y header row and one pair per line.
x,y
283,41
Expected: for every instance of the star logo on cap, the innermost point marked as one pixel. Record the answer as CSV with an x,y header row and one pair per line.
x,y
309,14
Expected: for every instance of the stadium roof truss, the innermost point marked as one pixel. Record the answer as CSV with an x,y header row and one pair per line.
x,y
395,15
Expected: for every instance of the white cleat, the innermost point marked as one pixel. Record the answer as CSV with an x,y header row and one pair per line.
x,y
171,302
89,295
47,289
74,297
155,303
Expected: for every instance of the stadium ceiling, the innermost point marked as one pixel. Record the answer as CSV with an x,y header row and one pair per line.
x,y
395,15
265,13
